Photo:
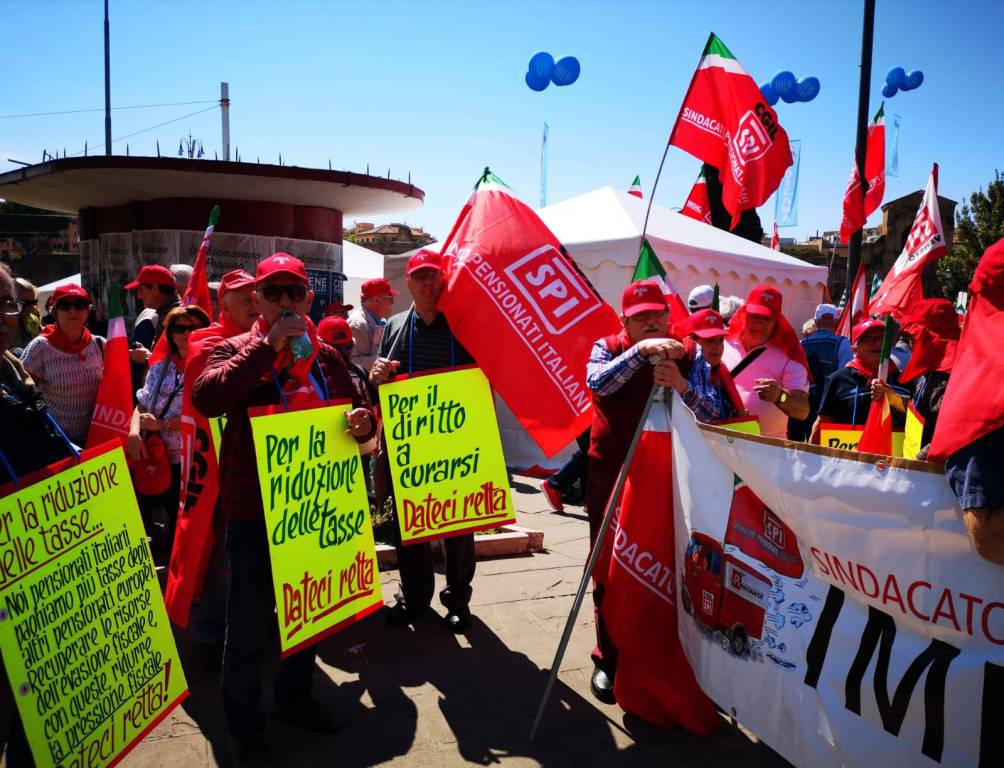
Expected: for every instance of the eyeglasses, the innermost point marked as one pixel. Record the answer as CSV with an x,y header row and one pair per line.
x,y
81,305
10,307
177,328
30,302
273,293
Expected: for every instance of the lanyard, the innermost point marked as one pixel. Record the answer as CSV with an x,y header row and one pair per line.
x,y
318,383
411,346
59,431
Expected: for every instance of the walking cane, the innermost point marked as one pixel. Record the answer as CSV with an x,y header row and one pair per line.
x,y
655,395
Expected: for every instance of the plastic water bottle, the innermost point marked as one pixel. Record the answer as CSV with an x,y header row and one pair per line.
x,y
300,345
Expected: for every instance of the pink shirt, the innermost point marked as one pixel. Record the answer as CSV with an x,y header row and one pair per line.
x,y
771,364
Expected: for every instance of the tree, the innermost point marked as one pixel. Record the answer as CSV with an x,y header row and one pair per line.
x,y
977,226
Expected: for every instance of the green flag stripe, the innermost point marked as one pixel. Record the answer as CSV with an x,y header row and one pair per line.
x,y
716,47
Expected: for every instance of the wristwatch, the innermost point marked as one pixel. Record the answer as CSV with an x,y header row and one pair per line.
x,y
781,398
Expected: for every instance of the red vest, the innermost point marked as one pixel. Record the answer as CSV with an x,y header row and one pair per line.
x,y
616,416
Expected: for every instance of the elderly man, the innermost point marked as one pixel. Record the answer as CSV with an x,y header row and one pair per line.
x,y
250,370
29,322
182,275
825,353
767,362
700,298
157,291
367,322
620,378
413,341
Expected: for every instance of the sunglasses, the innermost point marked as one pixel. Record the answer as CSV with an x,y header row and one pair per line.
x,y
10,307
183,328
30,302
81,305
273,293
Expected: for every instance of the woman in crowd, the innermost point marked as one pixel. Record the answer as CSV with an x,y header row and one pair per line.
x,y
159,410
66,362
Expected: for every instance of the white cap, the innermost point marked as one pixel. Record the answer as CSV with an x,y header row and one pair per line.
x,y
824,310
701,297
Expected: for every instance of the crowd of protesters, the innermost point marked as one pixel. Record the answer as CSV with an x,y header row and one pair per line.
x,y
740,360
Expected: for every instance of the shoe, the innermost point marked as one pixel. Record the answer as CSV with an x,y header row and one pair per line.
x,y
553,496
401,613
602,687
458,621
251,753
309,715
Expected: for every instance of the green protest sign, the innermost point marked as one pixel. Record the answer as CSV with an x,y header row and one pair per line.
x,y
320,536
85,638
445,454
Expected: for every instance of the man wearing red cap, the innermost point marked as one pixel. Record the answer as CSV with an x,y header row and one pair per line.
x,y
250,370
621,378
712,392
421,340
368,321
767,362
157,291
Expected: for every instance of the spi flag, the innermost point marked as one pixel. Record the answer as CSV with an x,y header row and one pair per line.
x,y
650,268
113,407
519,304
924,244
635,188
858,308
786,200
725,121
698,206
857,209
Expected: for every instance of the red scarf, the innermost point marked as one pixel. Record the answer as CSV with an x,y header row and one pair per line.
x,y
783,337
60,341
933,326
869,373
294,374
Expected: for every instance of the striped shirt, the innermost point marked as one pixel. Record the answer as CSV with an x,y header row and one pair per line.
x,y
161,395
68,382
422,347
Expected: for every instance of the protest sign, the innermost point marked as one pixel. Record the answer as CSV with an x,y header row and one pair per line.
x,y
885,650
216,426
844,437
445,454
85,638
320,536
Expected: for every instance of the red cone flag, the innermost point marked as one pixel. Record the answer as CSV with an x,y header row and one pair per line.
x,y
518,302
725,121
858,209
698,206
113,407
924,244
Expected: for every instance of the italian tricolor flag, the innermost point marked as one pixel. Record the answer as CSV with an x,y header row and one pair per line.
x,y
698,206
650,268
877,434
113,407
635,188
857,209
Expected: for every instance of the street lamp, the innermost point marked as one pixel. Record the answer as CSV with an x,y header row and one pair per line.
x,y
191,147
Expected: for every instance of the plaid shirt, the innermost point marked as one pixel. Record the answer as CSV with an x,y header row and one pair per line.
x,y
701,396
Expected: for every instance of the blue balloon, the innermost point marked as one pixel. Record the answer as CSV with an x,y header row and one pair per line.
x,y
790,97
783,82
542,64
889,91
896,76
768,94
566,71
807,89
536,82
914,80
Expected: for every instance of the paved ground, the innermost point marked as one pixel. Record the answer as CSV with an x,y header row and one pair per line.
x,y
424,697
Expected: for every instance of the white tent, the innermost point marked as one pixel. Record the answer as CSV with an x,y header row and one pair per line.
x,y
602,232
45,291
358,265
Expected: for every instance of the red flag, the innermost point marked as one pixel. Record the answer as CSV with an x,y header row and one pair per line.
x,y
856,209
925,243
518,302
877,434
725,121
113,407
775,240
698,206
760,533
654,679
857,308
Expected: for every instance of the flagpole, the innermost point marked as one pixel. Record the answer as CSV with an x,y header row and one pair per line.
x,y
651,197
864,84
655,395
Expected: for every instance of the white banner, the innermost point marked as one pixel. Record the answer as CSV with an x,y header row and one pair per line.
x,y
887,649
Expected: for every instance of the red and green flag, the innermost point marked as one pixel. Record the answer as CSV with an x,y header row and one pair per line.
x,y
698,206
877,434
635,188
113,407
857,209
725,121
650,268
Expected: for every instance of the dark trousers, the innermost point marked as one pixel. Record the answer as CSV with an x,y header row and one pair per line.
x,y
601,481
414,561
250,621
211,613
17,752
575,468
162,537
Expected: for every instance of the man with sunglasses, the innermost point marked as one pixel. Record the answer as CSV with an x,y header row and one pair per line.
x,y
157,291
246,371
29,322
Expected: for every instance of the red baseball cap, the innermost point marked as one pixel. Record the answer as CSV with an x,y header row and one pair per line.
x,y
337,306
764,300
154,274
69,291
425,259
642,296
233,280
377,287
334,330
860,329
281,264
707,324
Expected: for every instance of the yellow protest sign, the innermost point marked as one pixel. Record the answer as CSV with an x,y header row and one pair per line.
x,y
445,455
913,435
749,425
86,642
320,537
216,425
846,438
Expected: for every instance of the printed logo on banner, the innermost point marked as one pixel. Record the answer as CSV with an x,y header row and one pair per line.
x,y
773,528
708,602
558,294
752,141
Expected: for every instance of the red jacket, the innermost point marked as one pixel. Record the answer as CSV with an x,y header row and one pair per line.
x,y
237,377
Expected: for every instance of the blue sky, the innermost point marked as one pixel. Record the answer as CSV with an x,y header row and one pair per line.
x,y
436,88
